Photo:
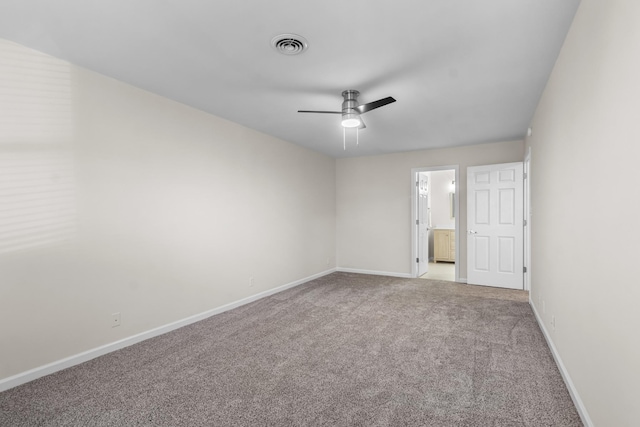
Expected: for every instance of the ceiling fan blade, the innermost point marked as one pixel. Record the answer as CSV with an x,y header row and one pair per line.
x,y
362,125
375,104
323,112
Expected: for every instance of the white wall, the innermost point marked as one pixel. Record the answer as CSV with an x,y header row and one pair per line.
x,y
440,204
585,205
373,197
118,200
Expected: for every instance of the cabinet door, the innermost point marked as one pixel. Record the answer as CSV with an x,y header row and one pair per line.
x,y
441,245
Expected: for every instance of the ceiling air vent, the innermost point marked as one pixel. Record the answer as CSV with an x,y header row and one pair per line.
x,y
289,44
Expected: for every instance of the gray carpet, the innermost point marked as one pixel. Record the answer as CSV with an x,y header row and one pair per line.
x,y
342,350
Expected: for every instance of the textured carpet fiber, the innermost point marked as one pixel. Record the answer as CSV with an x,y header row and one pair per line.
x,y
342,350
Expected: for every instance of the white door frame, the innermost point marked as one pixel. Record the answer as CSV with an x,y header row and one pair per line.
x,y
456,209
423,222
527,218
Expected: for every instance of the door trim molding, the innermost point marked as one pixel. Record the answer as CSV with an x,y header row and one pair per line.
x,y
527,217
456,198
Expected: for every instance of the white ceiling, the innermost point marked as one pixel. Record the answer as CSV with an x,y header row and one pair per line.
x,y
463,71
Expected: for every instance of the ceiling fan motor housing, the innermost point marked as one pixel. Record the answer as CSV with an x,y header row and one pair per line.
x,y
350,101
350,116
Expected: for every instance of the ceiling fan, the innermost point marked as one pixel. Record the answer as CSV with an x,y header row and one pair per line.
x,y
351,110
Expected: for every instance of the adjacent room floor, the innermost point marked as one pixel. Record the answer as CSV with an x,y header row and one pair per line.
x,y
441,271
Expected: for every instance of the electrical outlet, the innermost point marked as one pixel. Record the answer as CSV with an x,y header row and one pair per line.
x,y
328,261
115,319
251,281
553,322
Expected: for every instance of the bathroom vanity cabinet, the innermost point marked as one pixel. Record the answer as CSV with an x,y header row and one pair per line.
x,y
444,245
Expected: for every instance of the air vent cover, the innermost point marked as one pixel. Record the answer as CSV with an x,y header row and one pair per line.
x,y
289,44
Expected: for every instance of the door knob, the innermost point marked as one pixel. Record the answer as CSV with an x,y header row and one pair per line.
x,y
473,232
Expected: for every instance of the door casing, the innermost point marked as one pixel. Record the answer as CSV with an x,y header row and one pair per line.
x,y
422,221
414,201
527,218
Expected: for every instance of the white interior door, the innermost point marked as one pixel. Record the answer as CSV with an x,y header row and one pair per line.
x,y
422,222
495,225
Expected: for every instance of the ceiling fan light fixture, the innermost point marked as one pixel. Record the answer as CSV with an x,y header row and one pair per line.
x,y
351,120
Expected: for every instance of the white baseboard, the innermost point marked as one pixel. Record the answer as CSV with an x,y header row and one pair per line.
x,y
573,392
50,368
375,273
462,280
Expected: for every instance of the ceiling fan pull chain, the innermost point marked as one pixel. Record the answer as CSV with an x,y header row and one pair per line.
x,y
344,139
357,135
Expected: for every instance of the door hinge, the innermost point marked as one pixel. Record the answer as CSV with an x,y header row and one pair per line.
x,y
524,175
417,183
417,222
524,269
525,222
418,260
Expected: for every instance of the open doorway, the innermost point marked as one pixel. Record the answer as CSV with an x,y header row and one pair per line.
x,y
435,222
